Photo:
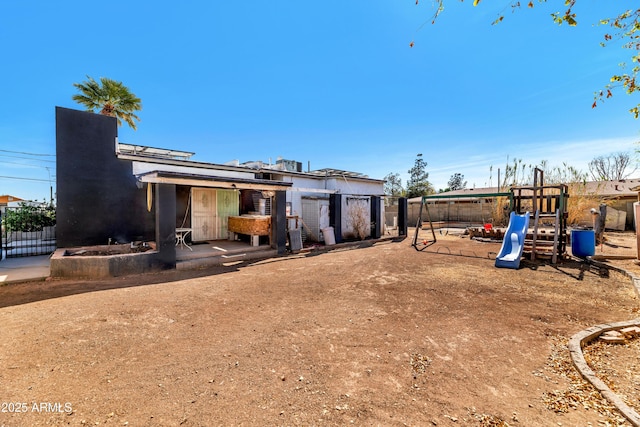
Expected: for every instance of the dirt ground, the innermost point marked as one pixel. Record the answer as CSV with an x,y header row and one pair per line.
x,y
380,335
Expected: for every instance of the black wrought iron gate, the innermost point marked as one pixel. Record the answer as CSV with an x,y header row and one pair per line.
x,y
27,231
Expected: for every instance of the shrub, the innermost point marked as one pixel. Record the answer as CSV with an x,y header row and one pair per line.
x,y
358,217
28,218
579,204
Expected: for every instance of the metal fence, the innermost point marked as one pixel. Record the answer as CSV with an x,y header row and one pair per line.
x,y
27,231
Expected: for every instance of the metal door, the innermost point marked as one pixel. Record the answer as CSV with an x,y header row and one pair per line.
x,y
315,214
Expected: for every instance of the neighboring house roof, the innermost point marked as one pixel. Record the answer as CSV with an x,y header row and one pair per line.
x,y
618,188
4,199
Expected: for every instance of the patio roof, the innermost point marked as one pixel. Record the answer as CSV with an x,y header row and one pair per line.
x,y
195,180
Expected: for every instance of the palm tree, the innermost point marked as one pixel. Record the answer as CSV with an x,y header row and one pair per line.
x,y
111,97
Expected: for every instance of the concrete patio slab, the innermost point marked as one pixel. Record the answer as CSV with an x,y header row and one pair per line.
x,y
24,269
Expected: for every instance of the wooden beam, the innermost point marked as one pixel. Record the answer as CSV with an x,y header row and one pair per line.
x,y
153,178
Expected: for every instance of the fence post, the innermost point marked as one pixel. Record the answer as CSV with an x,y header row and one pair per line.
x,y
2,237
636,207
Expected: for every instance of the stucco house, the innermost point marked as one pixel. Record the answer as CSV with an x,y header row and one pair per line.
x,y
109,191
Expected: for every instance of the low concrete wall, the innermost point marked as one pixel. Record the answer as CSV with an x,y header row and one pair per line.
x,y
47,233
101,266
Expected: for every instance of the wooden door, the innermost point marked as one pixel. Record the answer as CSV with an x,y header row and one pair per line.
x,y
203,214
228,203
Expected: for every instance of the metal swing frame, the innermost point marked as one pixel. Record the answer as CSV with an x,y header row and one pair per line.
x,y
420,246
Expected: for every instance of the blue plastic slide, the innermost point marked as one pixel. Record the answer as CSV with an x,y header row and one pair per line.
x,y
513,243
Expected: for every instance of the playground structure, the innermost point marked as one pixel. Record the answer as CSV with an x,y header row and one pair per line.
x,y
547,205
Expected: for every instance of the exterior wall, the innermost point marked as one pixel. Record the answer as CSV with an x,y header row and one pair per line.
x,y
355,187
350,189
318,199
97,196
183,206
294,197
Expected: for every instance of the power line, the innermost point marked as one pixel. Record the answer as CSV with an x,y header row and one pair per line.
x,y
28,154
27,158
24,164
24,179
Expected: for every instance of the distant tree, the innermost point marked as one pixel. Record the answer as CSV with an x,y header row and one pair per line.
x,y
418,184
613,167
393,185
111,98
625,28
456,182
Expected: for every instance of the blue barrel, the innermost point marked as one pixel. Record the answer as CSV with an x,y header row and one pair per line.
x,y
583,243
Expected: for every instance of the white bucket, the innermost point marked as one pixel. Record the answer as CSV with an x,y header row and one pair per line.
x,y
329,236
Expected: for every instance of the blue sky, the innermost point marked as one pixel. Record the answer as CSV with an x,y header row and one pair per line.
x,y
333,83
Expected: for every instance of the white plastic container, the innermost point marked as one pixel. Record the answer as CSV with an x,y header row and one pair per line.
x,y
329,236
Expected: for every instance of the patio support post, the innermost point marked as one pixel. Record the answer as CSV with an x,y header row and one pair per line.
x,y
376,218
335,215
403,218
279,222
165,195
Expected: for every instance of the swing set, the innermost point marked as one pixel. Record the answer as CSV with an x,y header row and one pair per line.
x,y
420,241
